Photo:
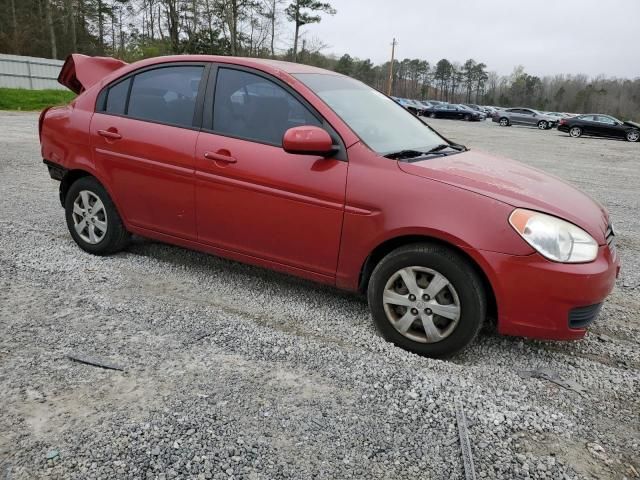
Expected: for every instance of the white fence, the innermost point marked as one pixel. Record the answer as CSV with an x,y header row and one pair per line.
x,y
32,73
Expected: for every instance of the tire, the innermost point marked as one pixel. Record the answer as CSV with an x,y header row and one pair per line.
x,y
575,132
504,122
467,117
464,292
633,135
88,203
432,115
543,125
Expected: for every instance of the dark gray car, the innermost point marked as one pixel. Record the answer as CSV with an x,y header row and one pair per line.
x,y
524,116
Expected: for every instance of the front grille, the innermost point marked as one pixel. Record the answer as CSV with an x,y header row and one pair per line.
x,y
610,236
582,317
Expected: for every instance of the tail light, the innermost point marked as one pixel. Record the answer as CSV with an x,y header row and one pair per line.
x,y
562,121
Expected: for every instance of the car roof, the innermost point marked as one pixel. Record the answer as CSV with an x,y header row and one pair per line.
x,y
272,66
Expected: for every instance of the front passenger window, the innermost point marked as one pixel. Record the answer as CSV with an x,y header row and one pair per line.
x,y
252,107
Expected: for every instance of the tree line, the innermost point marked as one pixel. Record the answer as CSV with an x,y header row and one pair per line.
x,y
135,29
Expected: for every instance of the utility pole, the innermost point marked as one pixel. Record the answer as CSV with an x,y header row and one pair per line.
x,y
393,53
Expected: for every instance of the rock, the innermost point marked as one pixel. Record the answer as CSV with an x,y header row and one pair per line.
x,y
51,454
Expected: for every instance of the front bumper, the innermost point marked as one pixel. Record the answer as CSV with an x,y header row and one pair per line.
x,y
538,298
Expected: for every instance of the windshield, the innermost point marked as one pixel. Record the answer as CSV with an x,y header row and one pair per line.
x,y
379,122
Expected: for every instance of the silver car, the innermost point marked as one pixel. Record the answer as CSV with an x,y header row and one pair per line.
x,y
524,116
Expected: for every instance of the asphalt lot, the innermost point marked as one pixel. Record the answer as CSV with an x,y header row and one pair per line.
x,y
294,383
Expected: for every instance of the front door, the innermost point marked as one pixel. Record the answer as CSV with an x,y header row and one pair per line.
x,y
609,127
251,196
143,136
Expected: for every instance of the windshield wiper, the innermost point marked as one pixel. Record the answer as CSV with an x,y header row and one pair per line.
x,y
403,154
415,154
442,146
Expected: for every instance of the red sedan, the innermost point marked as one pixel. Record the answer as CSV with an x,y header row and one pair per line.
x,y
315,174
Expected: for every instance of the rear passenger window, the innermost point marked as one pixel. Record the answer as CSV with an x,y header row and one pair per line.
x,y
117,98
250,106
166,95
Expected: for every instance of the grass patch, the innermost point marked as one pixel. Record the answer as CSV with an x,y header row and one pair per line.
x,y
29,100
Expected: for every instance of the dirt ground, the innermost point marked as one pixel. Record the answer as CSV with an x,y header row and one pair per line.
x,y
295,383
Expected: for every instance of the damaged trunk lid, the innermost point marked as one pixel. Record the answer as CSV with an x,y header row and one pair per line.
x,y
80,72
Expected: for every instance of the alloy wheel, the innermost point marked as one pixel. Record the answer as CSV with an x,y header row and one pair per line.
x,y
421,304
89,217
575,132
542,125
633,135
504,122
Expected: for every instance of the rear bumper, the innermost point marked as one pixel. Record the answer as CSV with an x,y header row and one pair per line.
x,y
563,128
56,172
538,298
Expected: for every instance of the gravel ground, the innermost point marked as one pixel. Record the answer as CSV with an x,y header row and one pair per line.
x,y
294,383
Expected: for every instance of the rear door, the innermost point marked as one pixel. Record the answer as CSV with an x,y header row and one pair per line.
x,y
143,136
514,115
588,124
254,198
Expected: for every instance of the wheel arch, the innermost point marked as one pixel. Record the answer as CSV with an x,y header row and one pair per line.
x,y
386,247
70,177
73,175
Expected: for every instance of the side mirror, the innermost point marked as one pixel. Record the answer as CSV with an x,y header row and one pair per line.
x,y
307,140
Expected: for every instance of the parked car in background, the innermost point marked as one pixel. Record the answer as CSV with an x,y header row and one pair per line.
x,y
483,115
524,116
599,125
282,165
477,108
488,110
557,115
411,105
452,111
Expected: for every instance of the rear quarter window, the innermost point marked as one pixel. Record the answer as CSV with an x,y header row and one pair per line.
x,y
117,98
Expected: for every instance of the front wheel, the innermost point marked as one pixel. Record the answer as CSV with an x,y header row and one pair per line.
x,y
575,132
92,218
467,117
427,299
543,125
633,135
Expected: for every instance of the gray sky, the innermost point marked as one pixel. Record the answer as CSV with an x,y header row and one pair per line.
x,y
546,36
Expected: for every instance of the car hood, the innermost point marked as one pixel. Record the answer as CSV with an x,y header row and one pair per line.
x,y
515,184
629,123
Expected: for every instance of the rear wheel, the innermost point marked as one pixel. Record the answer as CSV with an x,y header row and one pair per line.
x,y
633,135
504,122
432,115
427,299
92,218
575,132
543,125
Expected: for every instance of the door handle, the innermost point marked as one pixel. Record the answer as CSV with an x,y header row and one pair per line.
x,y
220,156
110,134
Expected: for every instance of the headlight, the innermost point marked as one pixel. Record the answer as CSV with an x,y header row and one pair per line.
x,y
553,238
